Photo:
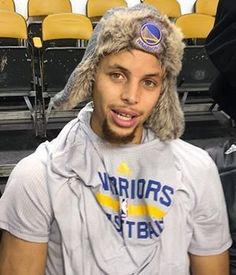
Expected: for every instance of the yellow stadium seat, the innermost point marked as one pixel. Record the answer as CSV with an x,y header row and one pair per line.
x,y
12,25
39,9
66,25
46,7
7,5
206,6
169,7
195,25
95,9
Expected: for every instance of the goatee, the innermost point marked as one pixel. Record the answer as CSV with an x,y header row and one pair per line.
x,y
115,138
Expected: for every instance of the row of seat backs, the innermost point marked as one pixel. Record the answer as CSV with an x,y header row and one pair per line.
x,y
39,7
171,8
44,7
96,8
75,26
61,25
55,26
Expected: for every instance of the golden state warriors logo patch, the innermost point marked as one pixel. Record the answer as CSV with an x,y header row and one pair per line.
x,y
150,37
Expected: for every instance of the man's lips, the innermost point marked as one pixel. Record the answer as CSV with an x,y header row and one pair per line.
x,y
124,118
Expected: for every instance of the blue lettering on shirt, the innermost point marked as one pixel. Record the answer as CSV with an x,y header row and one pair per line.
x,y
150,191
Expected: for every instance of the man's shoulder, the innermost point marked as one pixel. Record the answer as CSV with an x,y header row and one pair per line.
x,y
30,172
190,156
183,147
32,163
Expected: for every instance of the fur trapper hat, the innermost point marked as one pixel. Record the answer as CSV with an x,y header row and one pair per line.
x,y
139,27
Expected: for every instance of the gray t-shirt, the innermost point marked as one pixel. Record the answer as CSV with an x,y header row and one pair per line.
x,y
105,209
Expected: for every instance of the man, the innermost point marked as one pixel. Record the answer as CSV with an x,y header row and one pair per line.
x,y
220,46
117,192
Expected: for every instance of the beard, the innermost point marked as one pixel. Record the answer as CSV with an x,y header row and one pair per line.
x,y
112,137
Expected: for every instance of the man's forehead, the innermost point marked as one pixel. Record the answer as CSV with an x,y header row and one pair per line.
x,y
132,60
126,56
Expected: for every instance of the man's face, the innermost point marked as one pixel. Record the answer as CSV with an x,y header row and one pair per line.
x,y
126,89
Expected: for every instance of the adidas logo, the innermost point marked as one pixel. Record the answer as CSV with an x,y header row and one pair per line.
x,y
231,149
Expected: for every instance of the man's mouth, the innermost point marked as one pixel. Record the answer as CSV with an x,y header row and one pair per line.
x,y
123,118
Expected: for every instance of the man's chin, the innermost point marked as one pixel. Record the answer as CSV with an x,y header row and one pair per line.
x,y
116,138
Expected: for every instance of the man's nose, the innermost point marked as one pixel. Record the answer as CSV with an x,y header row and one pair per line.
x,y
131,93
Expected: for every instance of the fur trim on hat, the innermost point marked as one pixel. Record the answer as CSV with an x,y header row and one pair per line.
x,y
119,30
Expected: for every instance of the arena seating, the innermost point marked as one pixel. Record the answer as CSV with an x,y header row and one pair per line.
x,y
7,5
17,71
61,49
196,75
195,26
39,9
169,7
197,71
208,7
95,9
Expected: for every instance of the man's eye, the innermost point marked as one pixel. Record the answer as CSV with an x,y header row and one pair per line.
x,y
150,83
117,76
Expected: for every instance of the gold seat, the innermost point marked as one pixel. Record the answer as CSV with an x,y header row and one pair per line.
x,y
66,25
95,9
195,25
208,7
39,9
7,5
46,7
12,25
169,7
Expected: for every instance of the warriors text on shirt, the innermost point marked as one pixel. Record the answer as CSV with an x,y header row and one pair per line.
x,y
135,206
